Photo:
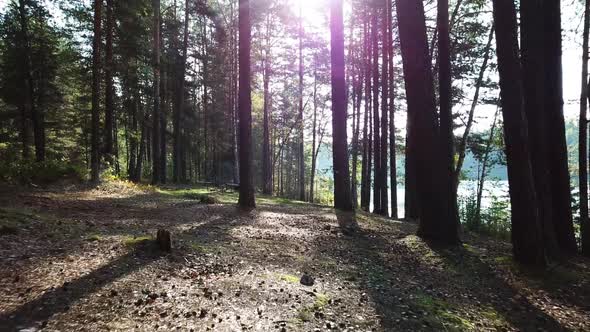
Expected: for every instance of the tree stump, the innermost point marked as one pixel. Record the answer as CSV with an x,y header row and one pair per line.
x,y
163,240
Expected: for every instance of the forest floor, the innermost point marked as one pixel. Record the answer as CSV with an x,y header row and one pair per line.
x,y
76,258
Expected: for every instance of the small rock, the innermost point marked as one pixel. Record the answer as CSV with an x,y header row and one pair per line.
x,y
307,280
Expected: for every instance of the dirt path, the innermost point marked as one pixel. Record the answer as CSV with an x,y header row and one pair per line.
x,y
82,260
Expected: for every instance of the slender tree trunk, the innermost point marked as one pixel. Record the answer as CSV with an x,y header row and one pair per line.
x,y
301,157
342,197
474,102
527,236
366,165
583,139
378,181
246,199
314,133
384,205
557,158
95,122
392,152
109,118
437,221
484,168
266,157
163,125
156,113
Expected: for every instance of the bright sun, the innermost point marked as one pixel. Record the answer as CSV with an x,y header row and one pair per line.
x,y
314,12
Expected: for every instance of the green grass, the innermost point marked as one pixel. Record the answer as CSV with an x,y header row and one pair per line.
x,y
13,220
135,240
306,314
289,278
94,237
441,314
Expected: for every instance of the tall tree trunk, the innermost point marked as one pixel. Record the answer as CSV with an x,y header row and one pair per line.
x,y
463,143
246,199
342,197
366,165
95,121
378,181
533,73
392,152
447,138
527,236
163,125
178,137
556,141
384,205
156,112
301,157
266,157
314,133
109,118
437,222
583,138
484,168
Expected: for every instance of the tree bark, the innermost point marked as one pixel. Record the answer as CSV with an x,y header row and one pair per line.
x,y
437,222
384,205
527,236
376,127
95,118
301,151
557,159
246,198
583,138
366,165
110,89
392,152
266,157
156,109
342,197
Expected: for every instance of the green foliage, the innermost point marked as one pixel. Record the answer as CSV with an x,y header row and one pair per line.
x,y
41,173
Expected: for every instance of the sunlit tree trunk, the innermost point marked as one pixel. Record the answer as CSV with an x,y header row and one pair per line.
x,y
301,157
342,197
392,152
378,181
384,205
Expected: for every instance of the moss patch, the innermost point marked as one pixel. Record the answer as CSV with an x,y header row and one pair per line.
x,y
441,314
135,240
289,278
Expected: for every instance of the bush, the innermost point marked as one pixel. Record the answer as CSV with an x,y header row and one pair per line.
x,y
41,173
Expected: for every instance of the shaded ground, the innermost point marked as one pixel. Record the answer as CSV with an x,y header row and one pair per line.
x,y
83,259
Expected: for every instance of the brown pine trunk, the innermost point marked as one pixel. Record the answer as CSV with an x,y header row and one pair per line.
x,y
342,197
583,139
437,222
301,151
246,198
527,236
447,137
266,157
378,181
95,119
366,164
109,118
555,134
533,73
384,205
392,152
156,112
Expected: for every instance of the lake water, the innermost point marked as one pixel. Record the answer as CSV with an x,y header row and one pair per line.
x,y
497,189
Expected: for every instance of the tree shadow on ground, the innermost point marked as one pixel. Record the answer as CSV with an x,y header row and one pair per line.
x,y
140,254
410,292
